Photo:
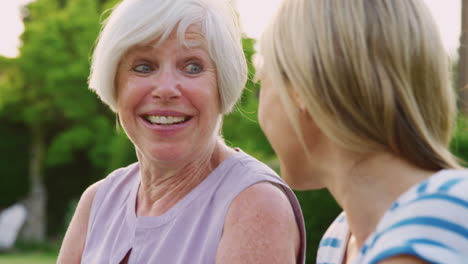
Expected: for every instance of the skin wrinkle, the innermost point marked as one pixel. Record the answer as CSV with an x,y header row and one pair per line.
x,y
159,193
166,176
170,79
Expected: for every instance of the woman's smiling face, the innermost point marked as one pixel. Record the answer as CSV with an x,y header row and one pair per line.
x,y
168,98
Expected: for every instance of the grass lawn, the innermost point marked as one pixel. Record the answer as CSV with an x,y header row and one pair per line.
x,y
27,258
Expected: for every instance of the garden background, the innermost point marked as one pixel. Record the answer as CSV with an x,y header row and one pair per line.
x,y
57,138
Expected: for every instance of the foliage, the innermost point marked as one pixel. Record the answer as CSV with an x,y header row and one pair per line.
x,y
14,163
241,128
46,247
459,144
72,205
8,80
58,41
46,88
123,152
27,258
319,210
31,252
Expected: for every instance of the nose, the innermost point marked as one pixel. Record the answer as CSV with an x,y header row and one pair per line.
x,y
166,86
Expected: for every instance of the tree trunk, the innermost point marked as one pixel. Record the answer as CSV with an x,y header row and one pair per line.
x,y
462,82
35,226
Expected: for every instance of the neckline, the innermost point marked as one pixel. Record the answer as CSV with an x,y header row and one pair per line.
x,y
155,221
346,235
407,195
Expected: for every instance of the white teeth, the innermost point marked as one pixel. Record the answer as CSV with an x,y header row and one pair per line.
x,y
165,120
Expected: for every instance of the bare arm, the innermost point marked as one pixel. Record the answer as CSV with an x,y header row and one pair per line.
x,y
75,238
260,227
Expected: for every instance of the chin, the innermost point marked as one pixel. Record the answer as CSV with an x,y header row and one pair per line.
x,y
164,154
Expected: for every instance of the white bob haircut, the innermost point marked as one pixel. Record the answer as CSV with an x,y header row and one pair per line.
x,y
138,22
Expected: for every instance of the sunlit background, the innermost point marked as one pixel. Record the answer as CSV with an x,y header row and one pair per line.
x,y
254,15
44,101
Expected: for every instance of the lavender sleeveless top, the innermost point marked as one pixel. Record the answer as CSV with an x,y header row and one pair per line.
x,y
189,232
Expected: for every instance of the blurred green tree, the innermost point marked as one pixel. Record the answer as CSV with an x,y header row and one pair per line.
x,y
73,139
50,96
462,81
459,143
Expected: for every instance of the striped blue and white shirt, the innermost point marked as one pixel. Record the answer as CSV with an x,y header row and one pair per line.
x,y
429,221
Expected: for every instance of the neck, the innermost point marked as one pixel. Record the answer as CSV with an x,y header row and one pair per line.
x,y
367,188
162,187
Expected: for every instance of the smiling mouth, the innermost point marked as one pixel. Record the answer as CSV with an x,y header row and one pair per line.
x,y
166,120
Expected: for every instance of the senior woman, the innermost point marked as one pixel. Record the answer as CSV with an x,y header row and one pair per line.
x,y
356,98
170,70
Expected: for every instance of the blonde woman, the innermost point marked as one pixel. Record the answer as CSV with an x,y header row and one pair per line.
x,y
356,97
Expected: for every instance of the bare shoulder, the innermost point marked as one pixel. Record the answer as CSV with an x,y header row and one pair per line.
x,y
260,227
83,208
75,238
88,196
262,199
403,259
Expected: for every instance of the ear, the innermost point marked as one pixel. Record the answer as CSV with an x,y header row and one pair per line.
x,y
298,102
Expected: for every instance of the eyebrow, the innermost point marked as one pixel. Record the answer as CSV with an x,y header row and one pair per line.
x,y
137,51
193,40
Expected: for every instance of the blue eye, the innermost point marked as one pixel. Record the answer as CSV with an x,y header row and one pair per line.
x,y
193,68
143,68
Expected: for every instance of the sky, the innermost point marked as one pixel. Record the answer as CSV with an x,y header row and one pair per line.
x,y
254,15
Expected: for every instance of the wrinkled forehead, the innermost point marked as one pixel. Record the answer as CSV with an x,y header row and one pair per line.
x,y
192,37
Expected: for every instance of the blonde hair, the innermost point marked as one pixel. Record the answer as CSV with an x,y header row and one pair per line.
x,y
372,74
138,22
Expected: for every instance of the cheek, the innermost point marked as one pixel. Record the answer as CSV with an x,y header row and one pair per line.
x,y
211,83
213,91
261,109
122,89
203,95
262,119
267,109
131,91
